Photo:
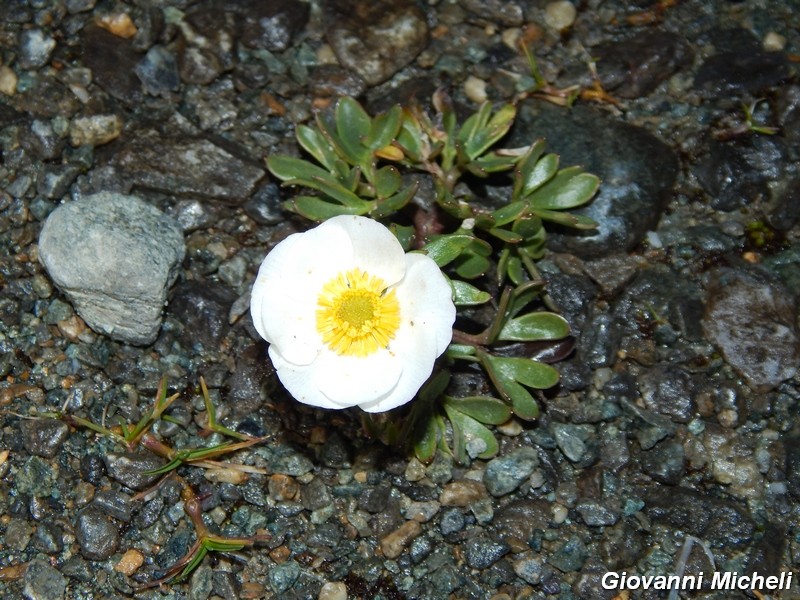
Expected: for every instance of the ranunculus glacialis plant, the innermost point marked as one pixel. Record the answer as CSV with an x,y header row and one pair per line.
x,y
351,319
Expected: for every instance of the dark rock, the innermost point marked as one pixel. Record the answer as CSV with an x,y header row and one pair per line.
x,y
665,462
92,468
636,169
48,538
622,545
481,552
264,206
520,519
335,452
633,68
570,556
753,322
734,174
599,341
505,473
202,309
43,437
375,38
315,495
43,582
113,63
596,514
208,44
158,71
735,73
792,448
96,534
131,470
670,391
35,48
335,81
721,522
53,181
786,211
574,295
272,24
283,576
496,11
115,504
186,166
114,256
452,519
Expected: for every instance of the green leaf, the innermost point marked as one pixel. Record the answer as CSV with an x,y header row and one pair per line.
x,y
526,371
464,351
392,204
315,209
508,213
352,124
404,234
313,142
526,165
485,409
491,163
334,189
446,248
488,135
515,271
387,181
384,128
534,327
544,170
581,222
568,189
465,294
469,265
427,436
506,235
470,438
291,168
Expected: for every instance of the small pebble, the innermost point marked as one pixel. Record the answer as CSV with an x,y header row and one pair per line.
x,y
393,544
462,493
559,15
119,24
475,89
8,81
774,42
333,590
130,562
95,130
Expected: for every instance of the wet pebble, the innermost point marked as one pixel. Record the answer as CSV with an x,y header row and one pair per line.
x,y
570,556
95,130
201,585
572,439
43,437
96,534
504,474
393,544
670,391
115,504
43,582
271,25
130,469
637,169
453,521
113,63
528,566
158,71
596,514
335,81
35,48
187,166
481,552
634,68
82,245
496,11
202,309
375,38
264,206
665,462
753,322
462,493
744,70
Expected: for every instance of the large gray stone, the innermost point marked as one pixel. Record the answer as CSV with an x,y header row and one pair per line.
x,y
114,257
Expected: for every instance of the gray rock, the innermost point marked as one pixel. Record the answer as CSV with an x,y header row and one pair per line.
x,y
97,536
504,474
496,11
282,577
131,469
272,24
187,166
43,582
201,584
36,478
158,71
114,257
752,320
570,556
482,552
637,171
528,566
115,504
375,38
43,437
35,48
596,514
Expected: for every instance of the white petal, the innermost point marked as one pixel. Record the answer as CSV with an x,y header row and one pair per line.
x,y
284,299
375,249
428,313
417,348
299,382
426,299
352,380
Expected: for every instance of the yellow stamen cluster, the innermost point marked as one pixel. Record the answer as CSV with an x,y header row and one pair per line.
x,y
356,315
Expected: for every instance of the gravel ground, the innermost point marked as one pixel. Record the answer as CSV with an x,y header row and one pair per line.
x,y
672,444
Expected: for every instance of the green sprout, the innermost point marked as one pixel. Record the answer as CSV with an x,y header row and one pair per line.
x,y
489,253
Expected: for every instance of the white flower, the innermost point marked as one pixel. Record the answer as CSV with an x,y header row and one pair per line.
x,y
351,319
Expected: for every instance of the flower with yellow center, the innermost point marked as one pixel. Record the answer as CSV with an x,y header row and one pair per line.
x,y
351,319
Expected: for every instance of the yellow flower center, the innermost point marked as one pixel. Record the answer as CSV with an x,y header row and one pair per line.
x,y
356,316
